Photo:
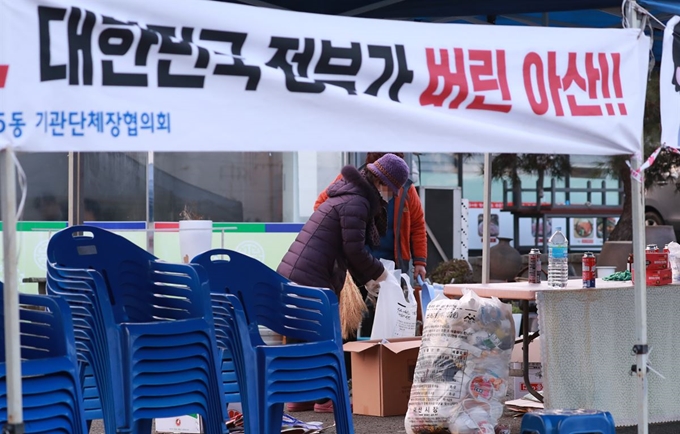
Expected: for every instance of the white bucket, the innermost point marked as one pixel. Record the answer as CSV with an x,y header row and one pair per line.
x,y
269,337
195,236
517,317
605,270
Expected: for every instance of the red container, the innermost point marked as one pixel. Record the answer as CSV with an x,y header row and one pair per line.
x,y
535,266
657,277
656,260
588,267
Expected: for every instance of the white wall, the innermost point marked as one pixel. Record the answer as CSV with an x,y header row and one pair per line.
x,y
305,175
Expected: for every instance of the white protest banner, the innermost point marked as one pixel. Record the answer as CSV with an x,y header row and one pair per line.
x,y
170,75
669,84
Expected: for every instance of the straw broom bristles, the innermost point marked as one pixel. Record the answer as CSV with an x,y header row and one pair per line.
x,y
352,308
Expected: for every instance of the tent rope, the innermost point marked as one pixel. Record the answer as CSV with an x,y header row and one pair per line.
x,y
648,14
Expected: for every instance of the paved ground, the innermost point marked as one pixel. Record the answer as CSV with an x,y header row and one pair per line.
x,y
395,425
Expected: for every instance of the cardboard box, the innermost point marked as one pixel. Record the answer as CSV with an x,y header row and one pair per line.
x,y
516,372
180,424
656,261
382,375
519,386
657,277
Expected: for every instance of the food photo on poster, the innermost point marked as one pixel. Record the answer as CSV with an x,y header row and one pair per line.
x,y
494,227
501,224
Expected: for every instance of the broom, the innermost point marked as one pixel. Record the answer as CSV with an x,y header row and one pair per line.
x,y
352,308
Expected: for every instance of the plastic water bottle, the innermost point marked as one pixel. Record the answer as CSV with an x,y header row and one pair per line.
x,y
558,260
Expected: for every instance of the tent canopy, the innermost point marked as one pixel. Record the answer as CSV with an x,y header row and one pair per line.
x,y
430,9
553,13
437,10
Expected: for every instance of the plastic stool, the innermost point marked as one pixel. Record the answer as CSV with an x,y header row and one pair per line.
x,y
568,422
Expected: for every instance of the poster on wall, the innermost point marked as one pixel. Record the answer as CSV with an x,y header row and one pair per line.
x,y
501,224
586,232
532,230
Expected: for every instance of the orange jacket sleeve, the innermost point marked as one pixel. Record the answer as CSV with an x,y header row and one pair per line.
x,y
323,195
418,232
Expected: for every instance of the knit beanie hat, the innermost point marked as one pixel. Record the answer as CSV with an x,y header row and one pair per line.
x,y
391,170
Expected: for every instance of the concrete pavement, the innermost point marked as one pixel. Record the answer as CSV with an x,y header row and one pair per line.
x,y
395,424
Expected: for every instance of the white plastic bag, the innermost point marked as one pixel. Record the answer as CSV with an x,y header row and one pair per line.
x,y
395,316
674,260
461,375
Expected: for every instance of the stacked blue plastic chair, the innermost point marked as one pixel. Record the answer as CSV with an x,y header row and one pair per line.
x,y
568,422
98,363
258,296
156,319
226,346
239,367
51,392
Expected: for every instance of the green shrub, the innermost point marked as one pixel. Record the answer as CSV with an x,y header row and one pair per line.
x,y
452,271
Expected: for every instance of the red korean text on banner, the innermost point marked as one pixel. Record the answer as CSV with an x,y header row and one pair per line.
x,y
486,75
586,94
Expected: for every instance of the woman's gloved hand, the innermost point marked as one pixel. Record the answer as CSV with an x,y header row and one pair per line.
x,y
373,286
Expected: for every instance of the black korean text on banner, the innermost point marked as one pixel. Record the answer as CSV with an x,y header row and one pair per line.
x,y
117,38
338,66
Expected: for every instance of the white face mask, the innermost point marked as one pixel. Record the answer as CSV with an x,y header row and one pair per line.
x,y
385,193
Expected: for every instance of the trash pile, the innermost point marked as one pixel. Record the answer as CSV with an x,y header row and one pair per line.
x,y
462,373
293,425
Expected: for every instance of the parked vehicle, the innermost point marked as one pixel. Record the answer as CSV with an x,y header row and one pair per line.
x,y
662,205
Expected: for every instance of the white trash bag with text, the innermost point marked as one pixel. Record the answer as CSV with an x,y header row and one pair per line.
x,y
395,316
461,375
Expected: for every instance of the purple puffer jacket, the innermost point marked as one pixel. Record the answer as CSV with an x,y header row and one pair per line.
x,y
334,238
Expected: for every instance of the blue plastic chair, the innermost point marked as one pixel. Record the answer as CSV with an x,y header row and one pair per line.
x,y
426,296
98,363
155,317
305,378
51,391
239,366
258,296
568,422
311,370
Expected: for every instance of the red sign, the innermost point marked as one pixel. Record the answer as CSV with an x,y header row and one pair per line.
x,y
3,75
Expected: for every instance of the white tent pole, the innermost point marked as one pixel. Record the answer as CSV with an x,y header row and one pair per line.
x,y
638,204
75,216
640,348
15,415
149,203
71,185
486,272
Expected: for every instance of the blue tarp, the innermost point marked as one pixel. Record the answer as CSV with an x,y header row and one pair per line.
x,y
430,9
663,6
554,13
587,13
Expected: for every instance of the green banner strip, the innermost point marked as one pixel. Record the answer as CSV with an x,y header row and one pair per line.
x,y
238,227
217,227
39,226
